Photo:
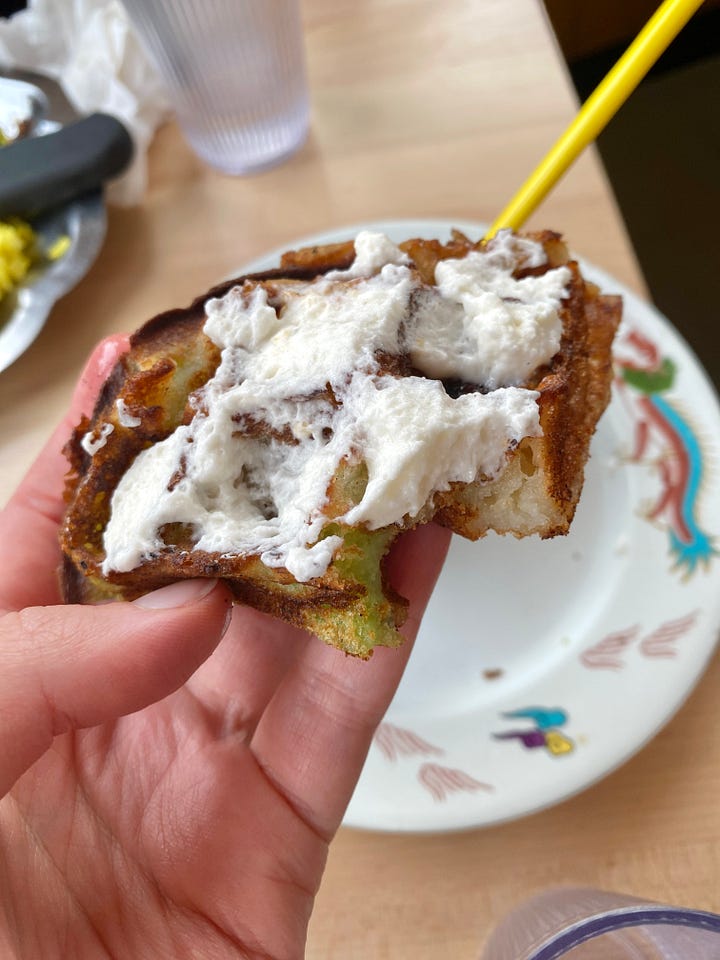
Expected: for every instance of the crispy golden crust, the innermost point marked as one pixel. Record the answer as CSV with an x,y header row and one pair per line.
x,y
351,606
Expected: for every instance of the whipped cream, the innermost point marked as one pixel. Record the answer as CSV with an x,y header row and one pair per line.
x,y
373,251
326,330
300,388
93,441
484,326
125,418
416,440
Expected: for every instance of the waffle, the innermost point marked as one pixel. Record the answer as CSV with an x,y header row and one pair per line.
x,y
158,387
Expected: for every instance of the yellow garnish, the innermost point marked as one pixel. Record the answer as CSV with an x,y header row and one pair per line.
x,y
59,248
17,243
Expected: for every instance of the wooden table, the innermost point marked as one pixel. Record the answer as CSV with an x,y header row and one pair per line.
x,y
421,109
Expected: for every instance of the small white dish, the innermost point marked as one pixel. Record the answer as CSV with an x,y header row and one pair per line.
x,y
25,309
542,666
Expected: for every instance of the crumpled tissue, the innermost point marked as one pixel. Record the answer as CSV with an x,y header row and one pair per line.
x,y
90,48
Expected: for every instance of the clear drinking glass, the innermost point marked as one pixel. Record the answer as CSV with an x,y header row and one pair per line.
x,y
235,73
580,924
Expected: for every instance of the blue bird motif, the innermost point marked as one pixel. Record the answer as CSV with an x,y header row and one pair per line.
x,y
544,718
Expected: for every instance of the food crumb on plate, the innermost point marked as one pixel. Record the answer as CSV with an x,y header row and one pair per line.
x,y
493,674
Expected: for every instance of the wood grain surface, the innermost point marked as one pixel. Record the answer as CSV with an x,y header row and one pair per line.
x,y
420,109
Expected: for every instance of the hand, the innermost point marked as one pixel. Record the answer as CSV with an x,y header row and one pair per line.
x,y
166,800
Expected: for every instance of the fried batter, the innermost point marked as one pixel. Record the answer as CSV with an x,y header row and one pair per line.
x,y
157,387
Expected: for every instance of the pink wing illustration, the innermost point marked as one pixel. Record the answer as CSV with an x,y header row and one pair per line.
x,y
397,742
606,655
661,642
441,781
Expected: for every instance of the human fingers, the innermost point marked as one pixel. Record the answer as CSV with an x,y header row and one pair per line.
x,y
64,668
29,522
314,736
238,680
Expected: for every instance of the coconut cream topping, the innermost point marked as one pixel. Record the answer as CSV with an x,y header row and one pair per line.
x,y
125,418
96,440
303,386
16,110
372,252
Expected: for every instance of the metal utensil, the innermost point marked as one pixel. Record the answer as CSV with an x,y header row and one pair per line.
x,y
24,311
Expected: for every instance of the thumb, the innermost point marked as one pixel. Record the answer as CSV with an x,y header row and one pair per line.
x,y
68,667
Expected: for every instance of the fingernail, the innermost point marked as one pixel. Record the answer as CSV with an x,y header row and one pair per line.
x,y
176,594
228,619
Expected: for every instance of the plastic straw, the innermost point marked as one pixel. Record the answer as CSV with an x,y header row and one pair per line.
x,y
600,107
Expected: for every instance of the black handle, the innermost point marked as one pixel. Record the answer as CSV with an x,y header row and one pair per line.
x,y
42,172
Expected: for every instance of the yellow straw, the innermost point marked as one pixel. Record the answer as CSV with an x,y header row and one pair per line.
x,y
602,104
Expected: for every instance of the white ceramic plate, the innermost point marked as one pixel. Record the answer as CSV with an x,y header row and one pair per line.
x,y
541,666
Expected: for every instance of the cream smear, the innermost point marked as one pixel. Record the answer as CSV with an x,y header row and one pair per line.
x,y
308,371
93,441
125,418
486,326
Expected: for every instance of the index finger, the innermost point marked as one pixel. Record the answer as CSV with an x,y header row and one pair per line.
x,y
29,522
315,734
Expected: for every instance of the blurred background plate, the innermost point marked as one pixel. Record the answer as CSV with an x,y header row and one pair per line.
x,y
25,309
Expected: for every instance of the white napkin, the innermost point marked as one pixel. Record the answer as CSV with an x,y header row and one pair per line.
x,y
91,50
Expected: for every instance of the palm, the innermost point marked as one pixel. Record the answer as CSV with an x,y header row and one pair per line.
x,y
199,825
175,817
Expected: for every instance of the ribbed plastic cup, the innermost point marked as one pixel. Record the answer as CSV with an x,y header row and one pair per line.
x,y
235,74
584,924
